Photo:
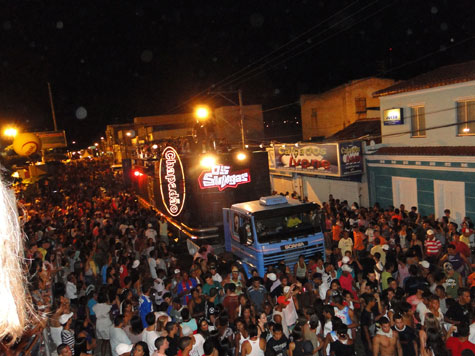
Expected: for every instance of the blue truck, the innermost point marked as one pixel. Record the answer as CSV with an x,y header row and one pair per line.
x,y
263,232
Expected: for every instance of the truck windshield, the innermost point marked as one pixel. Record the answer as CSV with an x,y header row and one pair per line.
x,y
282,224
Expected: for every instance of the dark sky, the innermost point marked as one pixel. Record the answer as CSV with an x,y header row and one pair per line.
x,y
119,59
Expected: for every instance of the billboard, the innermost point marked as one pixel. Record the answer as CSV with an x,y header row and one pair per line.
x,y
329,159
52,139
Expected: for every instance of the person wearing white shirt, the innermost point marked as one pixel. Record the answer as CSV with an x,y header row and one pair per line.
x,y
151,233
149,335
118,335
71,289
153,264
214,274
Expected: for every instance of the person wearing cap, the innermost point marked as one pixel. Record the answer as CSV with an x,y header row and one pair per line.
x,y
214,273
433,247
123,349
453,280
279,316
67,334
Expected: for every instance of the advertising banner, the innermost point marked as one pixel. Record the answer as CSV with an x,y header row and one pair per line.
x,y
351,158
329,159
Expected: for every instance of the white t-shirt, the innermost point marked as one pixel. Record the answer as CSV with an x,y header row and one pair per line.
x,y
149,337
197,349
153,265
471,336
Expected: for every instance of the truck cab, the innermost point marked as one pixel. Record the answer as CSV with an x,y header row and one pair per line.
x,y
263,232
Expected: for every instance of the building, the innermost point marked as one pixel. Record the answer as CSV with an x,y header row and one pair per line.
x,y
427,158
327,113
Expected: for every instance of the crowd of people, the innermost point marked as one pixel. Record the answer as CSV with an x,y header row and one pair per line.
x,y
392,282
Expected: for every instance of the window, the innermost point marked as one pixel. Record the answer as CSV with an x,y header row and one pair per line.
x,y
466,117
360,105
418,121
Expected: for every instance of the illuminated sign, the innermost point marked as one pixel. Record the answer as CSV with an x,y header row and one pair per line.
x,y
220,177
329,159
393,117
172,181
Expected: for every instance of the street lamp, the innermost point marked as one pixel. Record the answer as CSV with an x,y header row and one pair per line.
x,y
10,132
202,112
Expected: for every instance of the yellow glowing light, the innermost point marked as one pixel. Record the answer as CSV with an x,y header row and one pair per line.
x,y
208,161
96,144
466,129
15,175
155,146
202,112
10,132
241,156
128,134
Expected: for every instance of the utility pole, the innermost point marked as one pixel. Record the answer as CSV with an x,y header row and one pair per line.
x,y
52,107
241,114
241,108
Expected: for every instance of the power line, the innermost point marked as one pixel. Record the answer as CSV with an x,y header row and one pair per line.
x,y
281,106
223,81
249,75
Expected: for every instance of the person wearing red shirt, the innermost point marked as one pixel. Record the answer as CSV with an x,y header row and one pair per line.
x,y
459,343
433,246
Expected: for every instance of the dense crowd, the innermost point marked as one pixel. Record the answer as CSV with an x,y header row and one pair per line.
x,y
392,282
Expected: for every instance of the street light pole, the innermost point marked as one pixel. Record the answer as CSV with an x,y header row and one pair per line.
x,y
241,114
52,107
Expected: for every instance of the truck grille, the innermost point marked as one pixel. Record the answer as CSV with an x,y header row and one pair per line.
x,y
291,256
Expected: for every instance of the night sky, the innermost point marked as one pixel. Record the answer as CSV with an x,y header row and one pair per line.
x,y
108,61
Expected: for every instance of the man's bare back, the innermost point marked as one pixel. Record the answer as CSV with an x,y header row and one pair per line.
x,y
387,344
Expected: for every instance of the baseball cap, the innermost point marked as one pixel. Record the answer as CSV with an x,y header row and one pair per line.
x,y
430,232
345,259
286,289
63,319
424,264
135,264
282,300
186,330
346,268
386,247
123,348
272,277
177,271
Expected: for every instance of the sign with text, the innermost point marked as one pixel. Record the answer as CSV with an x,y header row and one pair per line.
x,y
330,159
393,117
52,139
351,158
221,177
172,181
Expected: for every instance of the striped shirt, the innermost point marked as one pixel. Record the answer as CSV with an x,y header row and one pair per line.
x,y
433,247
67,337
